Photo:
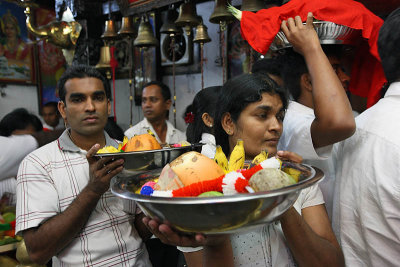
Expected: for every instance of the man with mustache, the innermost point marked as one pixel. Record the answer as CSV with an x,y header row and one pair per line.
x,y
65,209
156,102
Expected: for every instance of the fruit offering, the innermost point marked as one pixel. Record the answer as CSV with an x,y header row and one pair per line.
x,y
195,175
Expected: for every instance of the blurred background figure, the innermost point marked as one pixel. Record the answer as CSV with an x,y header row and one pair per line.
x,y
113,129
51,117
17,122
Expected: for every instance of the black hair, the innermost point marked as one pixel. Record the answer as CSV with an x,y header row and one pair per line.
x,y
267,66
236,94
19,119
51,104
165,91
113,129
389,48
205,101
294,66
81,71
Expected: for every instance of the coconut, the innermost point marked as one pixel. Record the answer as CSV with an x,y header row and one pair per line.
x,y
270,179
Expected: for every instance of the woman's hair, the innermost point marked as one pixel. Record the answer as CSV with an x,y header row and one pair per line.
x,y
205,101
19,119
236,94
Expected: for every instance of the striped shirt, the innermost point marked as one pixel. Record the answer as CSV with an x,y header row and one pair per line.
x,y
49,179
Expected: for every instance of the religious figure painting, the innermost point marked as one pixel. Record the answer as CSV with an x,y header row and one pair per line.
x,y
16,50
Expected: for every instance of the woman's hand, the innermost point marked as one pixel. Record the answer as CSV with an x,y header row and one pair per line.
x,y
289,156
303,37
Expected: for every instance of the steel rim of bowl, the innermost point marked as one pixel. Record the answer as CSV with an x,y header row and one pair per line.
x,y
316,176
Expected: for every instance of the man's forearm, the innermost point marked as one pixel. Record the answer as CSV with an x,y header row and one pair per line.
x,y
55,234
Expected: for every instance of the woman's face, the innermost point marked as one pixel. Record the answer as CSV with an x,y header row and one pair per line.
x,y
259,126
10,30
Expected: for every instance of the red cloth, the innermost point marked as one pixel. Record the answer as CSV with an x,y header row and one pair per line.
x,y
367,77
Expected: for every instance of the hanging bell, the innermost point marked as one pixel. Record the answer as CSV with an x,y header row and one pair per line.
x,y
221,13
253,5
127,27
169,26
187,17
110,33
145,37
201,34
105,58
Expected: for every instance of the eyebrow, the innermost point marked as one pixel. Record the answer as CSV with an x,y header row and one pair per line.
x,y
96,93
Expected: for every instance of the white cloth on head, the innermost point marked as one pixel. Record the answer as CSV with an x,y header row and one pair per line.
x,y
296,137
368,178
48,181
174,136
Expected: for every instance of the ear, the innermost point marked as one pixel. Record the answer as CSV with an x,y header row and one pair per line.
x,y
228,124
207,119
305,82
168,104
61,108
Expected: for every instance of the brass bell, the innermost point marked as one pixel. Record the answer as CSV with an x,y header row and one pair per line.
x,y
127,27
169,26
187,17
201,34
145,37
221,13
109,31
105,58
253,5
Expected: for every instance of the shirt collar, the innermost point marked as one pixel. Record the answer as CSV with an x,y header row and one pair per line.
x,y
65,142
394,89
297,107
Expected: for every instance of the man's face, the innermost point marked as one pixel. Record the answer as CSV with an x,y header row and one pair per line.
x,y
154,106
338,68
50,116
86,106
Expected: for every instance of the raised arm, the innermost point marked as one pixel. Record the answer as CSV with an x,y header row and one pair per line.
x,y
334,120
51,237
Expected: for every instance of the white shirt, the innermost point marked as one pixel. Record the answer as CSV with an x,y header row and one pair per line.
x,y
296,137
266,245
12,151
368,175
174,136
48,181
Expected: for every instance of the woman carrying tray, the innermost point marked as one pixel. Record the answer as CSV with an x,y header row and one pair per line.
x,y
252,108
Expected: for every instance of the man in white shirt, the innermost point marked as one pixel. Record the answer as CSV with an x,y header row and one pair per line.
x,y
156,102
65,209
320,114
51,117
368,169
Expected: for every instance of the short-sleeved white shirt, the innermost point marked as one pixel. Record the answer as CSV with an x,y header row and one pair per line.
x,y
296,137
368,176
48,181
266,246
174,136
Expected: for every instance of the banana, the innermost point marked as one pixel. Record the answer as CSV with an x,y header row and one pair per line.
x,y
260,158
236,159
221,159
151,133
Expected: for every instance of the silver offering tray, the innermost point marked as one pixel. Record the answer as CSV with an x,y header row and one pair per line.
x,y
213,215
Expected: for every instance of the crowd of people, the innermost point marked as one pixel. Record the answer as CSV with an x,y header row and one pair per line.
x,y
295,106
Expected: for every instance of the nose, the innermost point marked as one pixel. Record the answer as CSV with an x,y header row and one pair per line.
x,y
276,126
89,105
343,77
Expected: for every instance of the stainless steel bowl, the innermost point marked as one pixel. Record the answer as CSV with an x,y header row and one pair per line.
x,y
142,161
328,33
212,215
